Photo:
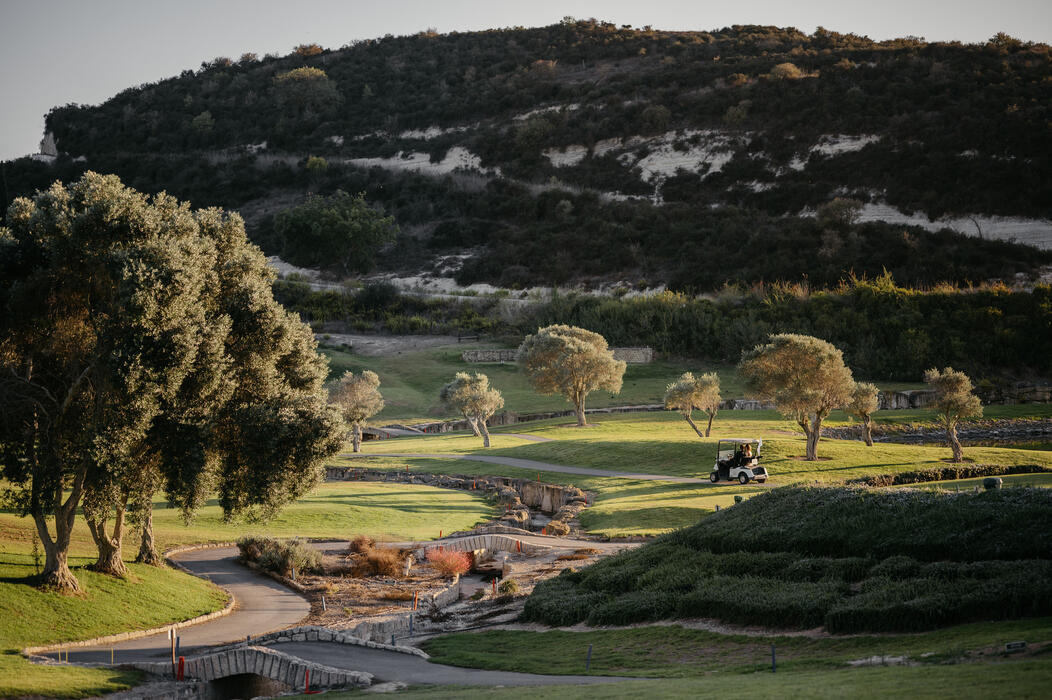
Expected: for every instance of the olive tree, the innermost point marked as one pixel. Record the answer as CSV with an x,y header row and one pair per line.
x,y
864,402
358,399
690,393
570,361
804,377
954,400
139,336
472,397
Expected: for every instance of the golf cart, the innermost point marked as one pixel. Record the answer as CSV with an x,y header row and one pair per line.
x,y
738,458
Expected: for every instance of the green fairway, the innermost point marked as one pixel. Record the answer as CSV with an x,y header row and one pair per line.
x,y
410,382
336,509
661,442
1020,679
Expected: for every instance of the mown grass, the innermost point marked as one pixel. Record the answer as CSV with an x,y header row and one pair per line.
x,y
410,381
333,509
673,651
1015,679
31,617
661,442
152,596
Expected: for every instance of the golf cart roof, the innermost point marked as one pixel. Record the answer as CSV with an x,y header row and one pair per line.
x,y
742,441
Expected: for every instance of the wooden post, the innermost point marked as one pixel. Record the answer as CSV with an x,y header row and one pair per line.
x,y
416,594
588,661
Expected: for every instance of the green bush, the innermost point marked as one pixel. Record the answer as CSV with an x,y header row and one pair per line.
x,y
280,556
950,472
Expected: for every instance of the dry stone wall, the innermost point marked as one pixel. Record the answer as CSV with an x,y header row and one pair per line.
x,y
633,356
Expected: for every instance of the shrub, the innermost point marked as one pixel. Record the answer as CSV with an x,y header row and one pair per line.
x,y
508,587
448,562
557,528
361,544
280,557
381,561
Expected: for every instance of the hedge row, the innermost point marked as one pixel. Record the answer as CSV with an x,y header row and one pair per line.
x,y
949,472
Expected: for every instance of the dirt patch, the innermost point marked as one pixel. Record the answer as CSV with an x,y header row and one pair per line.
x,y
384,345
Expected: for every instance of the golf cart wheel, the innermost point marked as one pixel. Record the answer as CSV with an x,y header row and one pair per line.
x,y
714,477
743,479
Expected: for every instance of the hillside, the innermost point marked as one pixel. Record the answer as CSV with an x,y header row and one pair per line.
x,y
587,152
851,560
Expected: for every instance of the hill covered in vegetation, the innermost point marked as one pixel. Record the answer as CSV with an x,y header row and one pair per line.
x,y
851,560
585,151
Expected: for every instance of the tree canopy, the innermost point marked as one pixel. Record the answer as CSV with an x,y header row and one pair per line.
x,y
803,376
689,393
472,396
570,361
865,400
139,339
337,232
358,398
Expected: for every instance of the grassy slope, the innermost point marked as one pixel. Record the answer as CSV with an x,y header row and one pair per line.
x,y
155,596
1023,680
410,382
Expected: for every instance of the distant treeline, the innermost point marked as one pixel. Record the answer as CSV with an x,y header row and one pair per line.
x,y
886,332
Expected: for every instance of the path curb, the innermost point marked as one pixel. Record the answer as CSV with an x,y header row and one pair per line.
x,y
139,634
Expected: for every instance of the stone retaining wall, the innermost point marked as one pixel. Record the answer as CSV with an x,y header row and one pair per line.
x,y
632,356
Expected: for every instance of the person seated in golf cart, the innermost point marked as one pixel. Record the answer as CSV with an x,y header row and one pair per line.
x,y
739,462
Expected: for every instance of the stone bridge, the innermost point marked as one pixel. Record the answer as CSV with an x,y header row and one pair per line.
x,y
263,662
489,543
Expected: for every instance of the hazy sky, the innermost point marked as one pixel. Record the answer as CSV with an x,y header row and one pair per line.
x,y
54,52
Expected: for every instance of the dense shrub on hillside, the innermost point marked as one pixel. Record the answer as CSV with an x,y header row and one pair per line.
x,y
850,559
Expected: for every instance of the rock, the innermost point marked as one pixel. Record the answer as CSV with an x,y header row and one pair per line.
x,y
389,687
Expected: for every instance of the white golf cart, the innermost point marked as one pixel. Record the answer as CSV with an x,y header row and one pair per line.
x,y
738,459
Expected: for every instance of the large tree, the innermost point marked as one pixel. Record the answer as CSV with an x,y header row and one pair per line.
x,y
358,399
570,361
954,401
472,396
865,400
337,232
803,376
690,393
139,343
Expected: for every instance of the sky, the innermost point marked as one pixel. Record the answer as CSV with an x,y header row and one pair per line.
x,y
56,52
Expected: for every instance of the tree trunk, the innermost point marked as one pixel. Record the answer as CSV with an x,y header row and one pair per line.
x,y
867,431
955,444
708,428
814,434
110,560
356,437
56,573
579,409
147,548
473,422
690,421
802,422
485,431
